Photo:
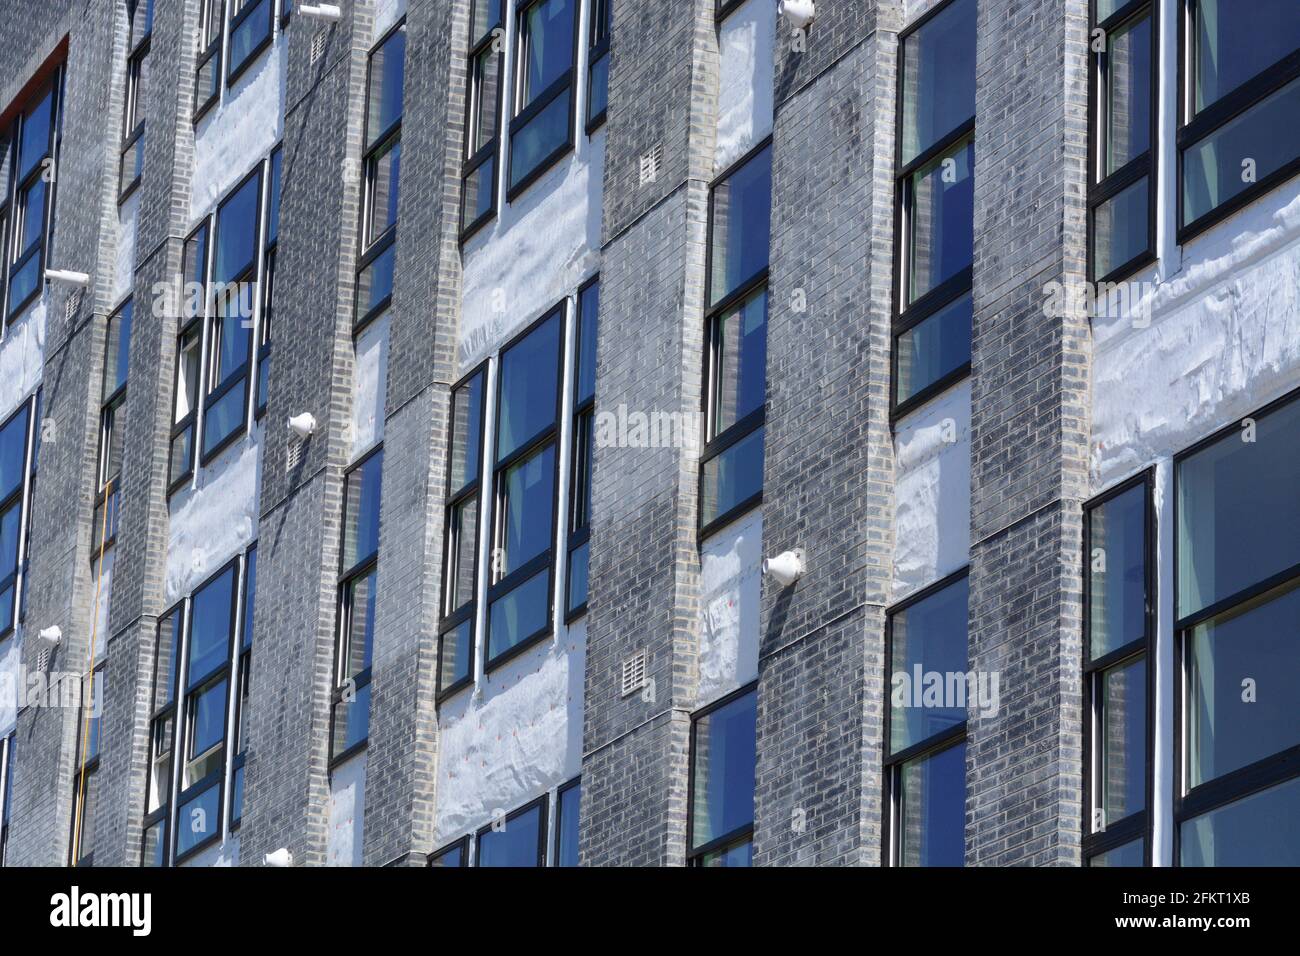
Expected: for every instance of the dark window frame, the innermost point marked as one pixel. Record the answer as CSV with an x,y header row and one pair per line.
x,y
1276,769
210,48
462,845
189,325
521,116
451,620
582,426
236,19
526,449
20,498
892,761
599,35
950,290
107,487
1193,129
556,842
471,163
132,115
86,769
1139,825
714,445
543,819
1103,188
270,249
158,718
733,838
7,747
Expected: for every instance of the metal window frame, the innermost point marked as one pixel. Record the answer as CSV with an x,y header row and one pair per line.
x,y
521,116
1140,824
1103,188
21,498
557,837
526,449
462,845
237,18
583,417
483,152
210,47
270,252
1276,769
82,774
599,35
892,761
1193,127
739,835
540,804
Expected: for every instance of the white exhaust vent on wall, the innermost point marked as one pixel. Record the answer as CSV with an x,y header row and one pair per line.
x,y
633,673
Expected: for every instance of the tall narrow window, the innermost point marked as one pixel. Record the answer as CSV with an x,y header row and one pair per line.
x,y
1121,192
85,801
381,161
583,452
1119,631
241,692
936,203
478,198
359,565
117,347
454,855
207,75
598,64
524,484
140,17
460,564
735,393
541,130
17,440
6,790
268,282
1237,609
189,359
568,801
162,734
517,841
1238,136
252,24
27,173
723,760
232,296
925,746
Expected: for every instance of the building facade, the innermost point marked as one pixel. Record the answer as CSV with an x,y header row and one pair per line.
x,y
399,399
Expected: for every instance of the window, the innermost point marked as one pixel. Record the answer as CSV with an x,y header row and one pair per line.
x,y
381,161
86,779
478,197
541,130
925,734
735,392
189,361
1119,629
566,823
356,619
583,452
6,790
460,564
199,642
1121,192
117,349
519,839
598,64
1238,137
270,248
140,23
29,152
936,203
251,29
457,854
720,826
207,76
524,481
1237,554
17,474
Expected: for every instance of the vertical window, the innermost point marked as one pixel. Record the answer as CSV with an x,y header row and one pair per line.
x,y
17,457
268,282
27,174
936,203
583,452
568,801
189,360
86,779
478,198
541,130
517,840
242,678
356,617
925,745
207,76
1121,191
117,347
524,483
1238,136
457,854
1119,631
723,760
598,64
162,735
140,24
460,564
232,294
735,391
381,161
251,28
1237,551
6,790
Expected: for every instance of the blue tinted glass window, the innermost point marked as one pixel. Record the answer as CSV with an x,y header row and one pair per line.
x,y
529,386
546,46
528,506
198,818
519,615
13,453
1262,829
211,613
928,641
566,822
237,231
1233,46
741,207
932,809
724,758
941,217
588,309
1116,572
